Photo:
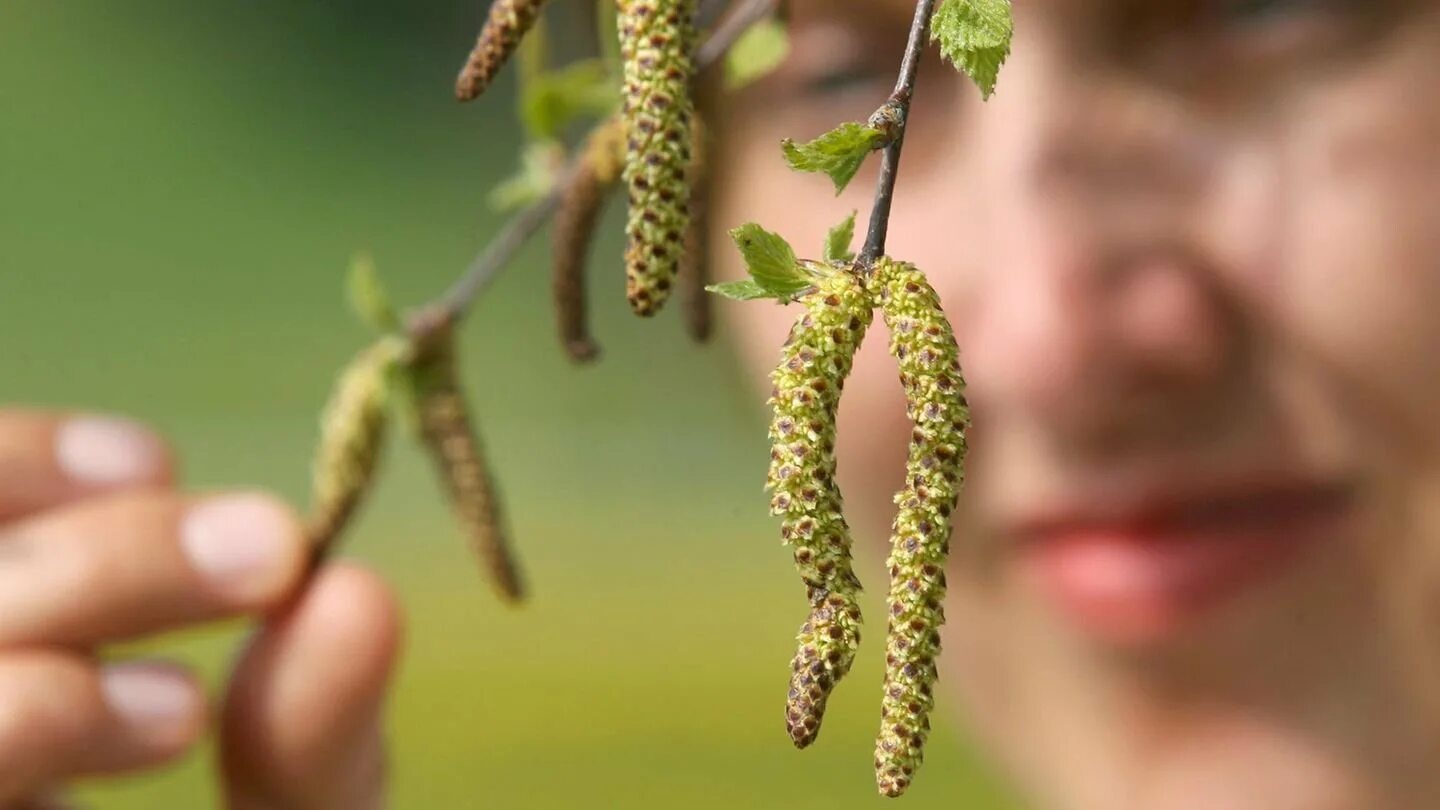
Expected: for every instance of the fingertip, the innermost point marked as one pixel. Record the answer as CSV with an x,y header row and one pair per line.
x,y
248,546
159,706
303,715
100,451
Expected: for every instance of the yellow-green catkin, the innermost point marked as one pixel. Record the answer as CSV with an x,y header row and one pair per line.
x,y
814,364
449,435
923,345
352,432
657,40
506,25
597,169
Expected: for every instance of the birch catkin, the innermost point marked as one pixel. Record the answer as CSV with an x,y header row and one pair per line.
x,y
657,38
352,432
807,384
506,25
598,168
694,267
924,347
454,446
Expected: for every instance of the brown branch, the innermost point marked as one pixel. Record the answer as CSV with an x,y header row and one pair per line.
x,y
896,111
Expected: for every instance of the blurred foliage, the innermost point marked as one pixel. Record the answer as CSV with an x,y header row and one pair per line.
x,y
181,187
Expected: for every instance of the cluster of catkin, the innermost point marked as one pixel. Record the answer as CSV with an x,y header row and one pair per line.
x,y
807,385
654,144
353,431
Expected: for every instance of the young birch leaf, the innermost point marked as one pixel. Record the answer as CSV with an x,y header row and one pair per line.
x,y
758,51
975,36
552,100
539,170
838,153
837,244
770,260
368,297
746,290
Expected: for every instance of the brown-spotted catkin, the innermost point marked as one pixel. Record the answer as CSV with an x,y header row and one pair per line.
x,y
597,169
694,270
923,344
657,39
506,25
450,437
352,432
806,395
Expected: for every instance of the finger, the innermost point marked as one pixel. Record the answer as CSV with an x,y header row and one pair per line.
x,y
123,565
49,458
61,716
301,725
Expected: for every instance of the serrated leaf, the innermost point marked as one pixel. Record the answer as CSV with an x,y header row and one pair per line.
x,y
838,153
975,36
746,290
368,297
756,53
550,101
770,260
540,165
837,243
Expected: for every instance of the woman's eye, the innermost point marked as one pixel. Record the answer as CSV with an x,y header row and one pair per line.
x,y
1263,11
841,80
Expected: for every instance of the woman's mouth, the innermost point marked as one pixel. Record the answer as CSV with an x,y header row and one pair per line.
x,y
1141,574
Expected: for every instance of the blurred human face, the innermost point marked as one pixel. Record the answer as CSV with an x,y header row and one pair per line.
x,y
1190,252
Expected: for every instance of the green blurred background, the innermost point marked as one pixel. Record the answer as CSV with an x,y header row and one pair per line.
x,y
181,185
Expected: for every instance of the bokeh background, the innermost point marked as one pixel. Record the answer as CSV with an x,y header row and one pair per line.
x,y
181,185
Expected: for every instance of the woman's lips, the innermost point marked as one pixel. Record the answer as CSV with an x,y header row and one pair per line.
x,y
1142,576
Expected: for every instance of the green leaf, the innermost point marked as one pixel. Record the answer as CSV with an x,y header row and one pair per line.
x,y
540,165
770,260
368,297
975,36
756,53
746,290
550,101
837,153
837,243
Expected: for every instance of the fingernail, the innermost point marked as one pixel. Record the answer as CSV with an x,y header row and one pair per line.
x,y
155,700
238,542
101,450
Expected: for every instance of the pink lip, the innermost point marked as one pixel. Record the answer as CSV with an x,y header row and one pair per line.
x,y
1143,575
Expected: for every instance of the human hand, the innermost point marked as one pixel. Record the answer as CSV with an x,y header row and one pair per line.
x,y
97,546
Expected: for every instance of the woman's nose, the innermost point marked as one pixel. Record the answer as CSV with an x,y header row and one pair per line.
x,y
1097,296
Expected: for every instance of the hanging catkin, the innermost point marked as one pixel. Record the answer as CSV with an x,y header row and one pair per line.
x,y
807,384
445,427
506,25
598,167
352,432
694,269
657,38
924,347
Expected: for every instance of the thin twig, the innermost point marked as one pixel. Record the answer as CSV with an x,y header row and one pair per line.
x,y
735,23
899,108
499,251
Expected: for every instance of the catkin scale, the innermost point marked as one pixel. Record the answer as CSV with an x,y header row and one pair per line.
x,y
581,199
352,433
506,24
923,345
449,435
814,364
657,39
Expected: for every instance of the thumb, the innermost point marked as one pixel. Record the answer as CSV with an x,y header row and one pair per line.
x,y
301,726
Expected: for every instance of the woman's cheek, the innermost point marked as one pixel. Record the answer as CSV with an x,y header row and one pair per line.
x,y
1360,255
